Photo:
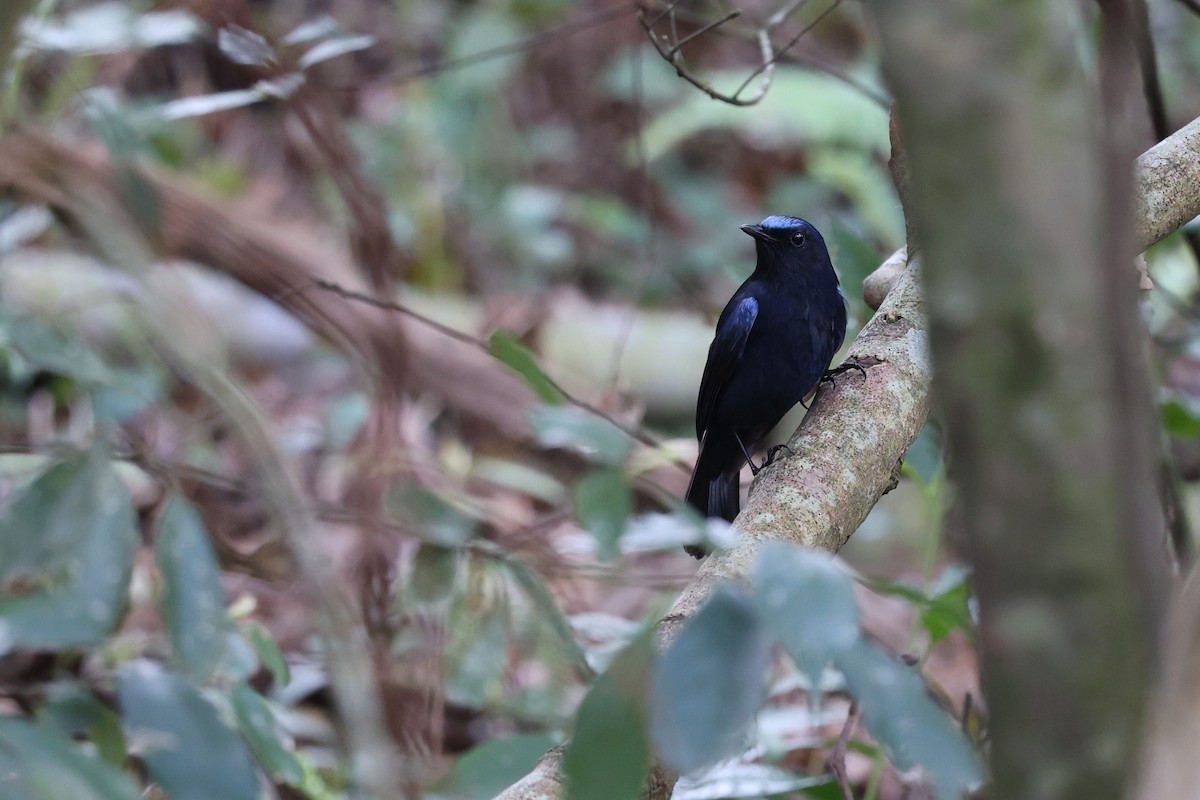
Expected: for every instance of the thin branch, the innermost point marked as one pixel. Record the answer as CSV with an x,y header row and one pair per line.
x,y
790,44
674,57
873,93
837,756
480,344
732,15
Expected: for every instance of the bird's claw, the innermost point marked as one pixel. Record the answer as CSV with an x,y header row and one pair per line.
x,y
852,363
769,460
774,451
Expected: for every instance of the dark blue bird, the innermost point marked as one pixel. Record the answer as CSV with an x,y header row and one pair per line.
x,y
773,343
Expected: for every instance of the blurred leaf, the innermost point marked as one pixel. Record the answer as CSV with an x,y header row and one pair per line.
x,y
735,779
575,429
46,349
434,570
193,602
128,393
829,790
523,478
484,771
268,651
311,30
37,763
258,725
242,46
187,748
506,347
709,683
808,603
609,754
279,88
67,556
436,520
903,717
535,588
602,503
74,711
110,28
945,606
924,457
948,607
1178,421
657,531
478,657
345,416
334,47
603,636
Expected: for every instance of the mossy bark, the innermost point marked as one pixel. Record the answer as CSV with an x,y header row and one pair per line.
x,y
1008,198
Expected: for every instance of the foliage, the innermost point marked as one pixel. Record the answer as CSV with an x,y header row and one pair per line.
x,y
704,690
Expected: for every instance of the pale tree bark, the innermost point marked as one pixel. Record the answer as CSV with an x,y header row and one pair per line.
x,y
1041,379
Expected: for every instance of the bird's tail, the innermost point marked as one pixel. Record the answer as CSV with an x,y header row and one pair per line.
x,y
713,490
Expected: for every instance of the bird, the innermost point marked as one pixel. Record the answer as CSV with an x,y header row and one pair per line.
x,y
773,343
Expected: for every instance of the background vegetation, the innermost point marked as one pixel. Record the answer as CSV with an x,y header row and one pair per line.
x,y
350,351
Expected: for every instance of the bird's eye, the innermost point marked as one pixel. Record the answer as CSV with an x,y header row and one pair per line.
x,y
798,238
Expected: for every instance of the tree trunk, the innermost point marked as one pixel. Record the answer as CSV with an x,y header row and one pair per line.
x,y
1035,342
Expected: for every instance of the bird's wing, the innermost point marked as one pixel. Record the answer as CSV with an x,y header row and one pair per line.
x,y
733,329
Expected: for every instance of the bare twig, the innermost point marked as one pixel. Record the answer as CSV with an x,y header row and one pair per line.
x,y
770,62
837,756
673,54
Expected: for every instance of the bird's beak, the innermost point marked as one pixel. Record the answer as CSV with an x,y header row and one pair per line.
x,y
758,232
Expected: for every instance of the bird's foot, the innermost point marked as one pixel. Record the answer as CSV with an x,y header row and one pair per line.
x,y
852,363
774,451
769,460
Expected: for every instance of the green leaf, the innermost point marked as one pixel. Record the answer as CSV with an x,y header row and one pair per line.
x,y
67,557
1179,421
47,349
74,711
485,771
575,429
268,651
434,571
508,348
187,748
609,754
602,503
806,601
193,602
901,715
38,763
948,608
435,519
258,725
709,683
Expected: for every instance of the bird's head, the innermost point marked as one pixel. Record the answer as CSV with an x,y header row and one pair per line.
x,y
783,235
